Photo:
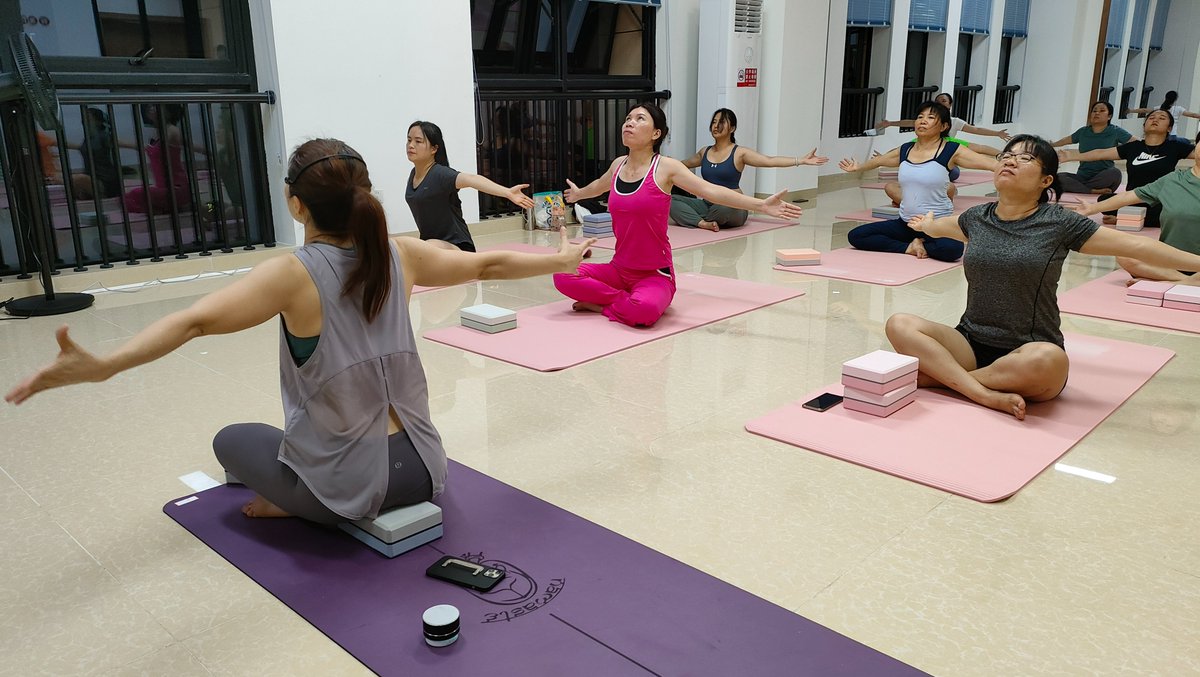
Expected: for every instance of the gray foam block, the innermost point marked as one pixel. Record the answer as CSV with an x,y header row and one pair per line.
x,y
398,524
399,547
230,479
489,328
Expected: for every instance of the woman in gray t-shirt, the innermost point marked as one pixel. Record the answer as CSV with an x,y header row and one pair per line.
x,y
1008,347
432,189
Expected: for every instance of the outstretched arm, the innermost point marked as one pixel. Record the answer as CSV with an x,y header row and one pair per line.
x,y
695,160
946,226
1066,140
965,157
1112,242
884,124
594,189
1190,114
984,131
483,184
263,293
754,158
679,175
1126,199
888,159
432,266
1071,155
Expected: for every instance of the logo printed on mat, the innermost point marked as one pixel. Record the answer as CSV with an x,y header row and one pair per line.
x,y
518,591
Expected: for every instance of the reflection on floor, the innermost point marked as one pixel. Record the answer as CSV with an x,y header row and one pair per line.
x,y
1071,575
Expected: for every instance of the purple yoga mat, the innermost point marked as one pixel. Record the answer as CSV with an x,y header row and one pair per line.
x,y
578,599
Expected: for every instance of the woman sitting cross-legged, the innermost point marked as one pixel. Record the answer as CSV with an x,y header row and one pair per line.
x,y
925,166
1008,347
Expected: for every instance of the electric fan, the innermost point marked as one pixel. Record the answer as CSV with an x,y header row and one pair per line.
x,y
38,101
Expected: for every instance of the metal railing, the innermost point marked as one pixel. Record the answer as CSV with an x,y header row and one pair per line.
x,y
912,99
545,138
113,190
858,112
1144,102
964,102
1006,103
1105,94
1126,95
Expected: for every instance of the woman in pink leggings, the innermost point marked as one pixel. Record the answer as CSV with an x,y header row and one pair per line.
x,y
638,285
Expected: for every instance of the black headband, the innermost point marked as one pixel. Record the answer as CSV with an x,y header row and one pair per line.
x,y
290,180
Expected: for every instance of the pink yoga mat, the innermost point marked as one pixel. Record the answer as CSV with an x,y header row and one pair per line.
x,y
961,204
553,337
507,247
948,442
964,179
873,267
1105,298
686,238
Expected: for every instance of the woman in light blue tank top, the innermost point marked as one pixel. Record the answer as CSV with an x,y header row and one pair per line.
x,y
722,163
924,179
358,435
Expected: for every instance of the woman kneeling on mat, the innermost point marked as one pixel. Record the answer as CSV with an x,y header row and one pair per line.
x,y
925,166
358,438
723,163
1008,346
638,285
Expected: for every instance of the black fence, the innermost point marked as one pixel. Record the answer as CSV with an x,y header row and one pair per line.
x,y
858,113
1144,102
912,99
965,98
142,176
1126,95
543,138
1006,103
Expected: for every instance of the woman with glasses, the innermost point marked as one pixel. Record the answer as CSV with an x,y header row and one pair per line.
x,y
1007,348
925,166
722,163
358,437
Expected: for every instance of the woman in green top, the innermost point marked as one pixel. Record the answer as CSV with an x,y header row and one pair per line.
x,y
1178,193
1096,176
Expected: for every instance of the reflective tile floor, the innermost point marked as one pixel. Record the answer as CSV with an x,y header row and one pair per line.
x,y
1070,576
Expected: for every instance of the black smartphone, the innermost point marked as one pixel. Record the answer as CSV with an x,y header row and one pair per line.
x,y
822,402
465,573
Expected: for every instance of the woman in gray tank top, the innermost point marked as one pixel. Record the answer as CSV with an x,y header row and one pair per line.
x,y
1008,347
924,179
358,437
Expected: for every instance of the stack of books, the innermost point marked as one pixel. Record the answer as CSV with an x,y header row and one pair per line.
x,y
598,225
885,212
879,383
797,257
1182,297
488,318
1147,293
1131,218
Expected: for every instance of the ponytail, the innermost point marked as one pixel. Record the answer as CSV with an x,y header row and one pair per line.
x,y
367,225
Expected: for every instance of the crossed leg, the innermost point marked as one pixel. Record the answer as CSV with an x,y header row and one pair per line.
x,y
1144,271
1036,371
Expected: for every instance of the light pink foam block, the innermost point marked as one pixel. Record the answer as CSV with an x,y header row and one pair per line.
x,y
961,204
946,441
863,385
553,337
1143,300
964,179
1182,305
873,409
686,238
880,366
874,267
1183,293
881,400
1149,288
507,247
1105,298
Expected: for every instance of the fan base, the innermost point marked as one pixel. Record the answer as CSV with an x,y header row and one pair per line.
x,y
38,306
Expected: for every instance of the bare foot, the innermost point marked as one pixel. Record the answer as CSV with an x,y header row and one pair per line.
x,y
896,204
1009,403
917,248
1109,220
261,507
587,254
1134,280
589,307
709,225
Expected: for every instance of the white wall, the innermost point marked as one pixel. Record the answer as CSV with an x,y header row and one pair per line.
x,y
1177,66
676,45
361,72
1057,76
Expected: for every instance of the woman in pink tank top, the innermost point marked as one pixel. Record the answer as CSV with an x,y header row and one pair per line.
x,y
638,285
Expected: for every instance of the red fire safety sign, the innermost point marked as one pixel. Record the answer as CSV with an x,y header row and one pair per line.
x,y
747,77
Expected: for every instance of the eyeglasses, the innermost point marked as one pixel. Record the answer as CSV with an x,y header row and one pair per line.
x,y
1021,158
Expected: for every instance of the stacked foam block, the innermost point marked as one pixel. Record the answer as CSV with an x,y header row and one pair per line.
x,y
885,212
797,257
889,173
879,383
1131,219
598,225
488,318
1182,297
1147,293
